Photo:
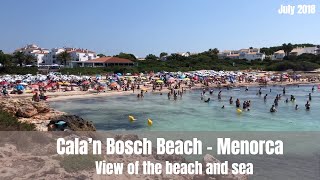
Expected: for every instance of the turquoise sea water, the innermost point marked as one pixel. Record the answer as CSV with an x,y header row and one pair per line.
x,y
192,114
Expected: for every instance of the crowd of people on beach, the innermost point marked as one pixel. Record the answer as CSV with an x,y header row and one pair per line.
x,y
175,84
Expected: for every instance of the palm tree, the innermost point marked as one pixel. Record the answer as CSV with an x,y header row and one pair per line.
x,y
29,60
19,57
64,57
287,48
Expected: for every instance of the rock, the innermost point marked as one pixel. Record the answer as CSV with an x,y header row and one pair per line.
x,y
170,158
26,112
76,123
41,107
209,159
231,176
200,177
125,137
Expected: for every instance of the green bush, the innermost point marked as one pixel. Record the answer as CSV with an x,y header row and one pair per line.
x,y
18,70
10,123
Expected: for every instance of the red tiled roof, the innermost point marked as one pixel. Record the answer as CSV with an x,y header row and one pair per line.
x,y
109,60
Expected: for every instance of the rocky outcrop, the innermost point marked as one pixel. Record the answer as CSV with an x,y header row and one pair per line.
x,y
76,123
210,159
23,108
40,114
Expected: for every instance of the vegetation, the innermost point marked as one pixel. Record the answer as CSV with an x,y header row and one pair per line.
x,y
126,56
175,62
11,123
64,57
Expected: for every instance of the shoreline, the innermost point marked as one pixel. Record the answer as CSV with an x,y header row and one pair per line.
x,y
60,96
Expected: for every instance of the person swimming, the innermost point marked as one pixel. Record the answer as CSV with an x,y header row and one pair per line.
x,y
208,100
273,108
307,105
287,100
247,89
222,107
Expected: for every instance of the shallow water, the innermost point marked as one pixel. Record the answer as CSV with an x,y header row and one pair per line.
x,y
192,114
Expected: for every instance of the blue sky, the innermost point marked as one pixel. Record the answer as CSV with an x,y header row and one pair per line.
x,y
153,26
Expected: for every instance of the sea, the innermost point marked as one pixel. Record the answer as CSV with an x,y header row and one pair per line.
x,y
190,117
190,113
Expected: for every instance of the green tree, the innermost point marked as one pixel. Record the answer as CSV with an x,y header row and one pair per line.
x,y
101,55
287,48
5,59
126,56
151,57
30,60
64,57
19,57
163,54
215,51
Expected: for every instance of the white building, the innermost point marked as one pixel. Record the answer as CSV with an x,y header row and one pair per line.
x,y
318,51
36,51
77,55
303,50
248,54
186,54
252,56
278,55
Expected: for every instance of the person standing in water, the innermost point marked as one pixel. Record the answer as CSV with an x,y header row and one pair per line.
x,y
312,88
260,92
284,90
297,107
265,98
231,100
237,103
307,105
310,98
273,108
219,95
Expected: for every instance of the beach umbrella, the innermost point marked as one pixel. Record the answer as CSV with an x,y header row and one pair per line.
x,y
23,84
66,83
119,74
34,86
159,81
20,87
171,80
85,82
114,84
3,83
